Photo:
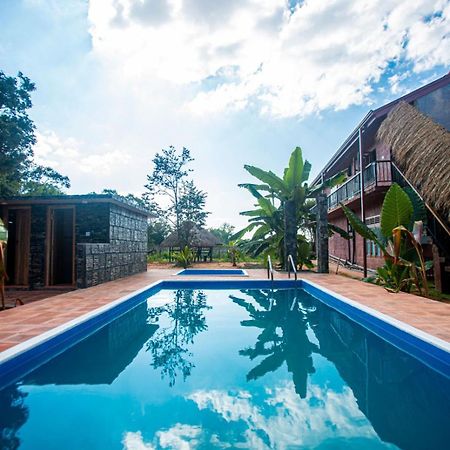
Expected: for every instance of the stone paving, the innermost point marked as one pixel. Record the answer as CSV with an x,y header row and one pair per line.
x,y
24,322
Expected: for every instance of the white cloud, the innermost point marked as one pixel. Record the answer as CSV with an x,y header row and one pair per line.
x,y
260,53
73,159
135,441
177,437
323,414
279,419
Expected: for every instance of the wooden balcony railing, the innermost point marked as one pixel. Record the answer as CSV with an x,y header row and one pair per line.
x,y
377,173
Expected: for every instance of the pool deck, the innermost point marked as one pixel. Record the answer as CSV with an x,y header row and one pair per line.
x,y
24,322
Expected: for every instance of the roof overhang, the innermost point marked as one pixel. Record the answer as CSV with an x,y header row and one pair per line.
x,y
74,200
375,117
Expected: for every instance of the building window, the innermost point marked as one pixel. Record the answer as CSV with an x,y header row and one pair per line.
x,y
373,249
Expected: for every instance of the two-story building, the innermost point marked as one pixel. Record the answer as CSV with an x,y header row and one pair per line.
x,y
374,157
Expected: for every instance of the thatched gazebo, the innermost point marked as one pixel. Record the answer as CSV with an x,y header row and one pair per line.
x,y
421,150
201,241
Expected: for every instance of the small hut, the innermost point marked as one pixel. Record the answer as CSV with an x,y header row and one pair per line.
x,y
201,241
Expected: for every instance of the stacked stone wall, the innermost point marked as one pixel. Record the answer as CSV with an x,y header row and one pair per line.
x,y
124,255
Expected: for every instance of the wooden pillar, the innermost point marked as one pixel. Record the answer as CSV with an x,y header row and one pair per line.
x,y
437,269
322,234
290,232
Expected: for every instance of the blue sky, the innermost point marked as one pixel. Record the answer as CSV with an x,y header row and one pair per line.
x,y
237,82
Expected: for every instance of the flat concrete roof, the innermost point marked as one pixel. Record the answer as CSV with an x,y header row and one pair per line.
x,y
74,199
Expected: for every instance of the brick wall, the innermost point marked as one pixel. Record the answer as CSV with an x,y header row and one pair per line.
x,y
339,247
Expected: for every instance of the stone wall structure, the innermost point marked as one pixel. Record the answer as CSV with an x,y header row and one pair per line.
x,y
110,237
124,253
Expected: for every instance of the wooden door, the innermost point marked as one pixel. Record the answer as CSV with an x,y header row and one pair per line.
x,y
18,248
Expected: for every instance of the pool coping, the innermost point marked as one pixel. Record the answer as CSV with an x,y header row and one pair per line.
x,y
8,356
217,272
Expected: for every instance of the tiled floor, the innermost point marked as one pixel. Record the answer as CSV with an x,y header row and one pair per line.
x,y
24,322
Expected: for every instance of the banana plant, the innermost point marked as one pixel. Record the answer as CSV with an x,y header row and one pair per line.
x,y
266,223
292,191
233,252
184,257
405,265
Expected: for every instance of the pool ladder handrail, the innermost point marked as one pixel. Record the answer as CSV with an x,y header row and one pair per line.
x,y
270,270
291,265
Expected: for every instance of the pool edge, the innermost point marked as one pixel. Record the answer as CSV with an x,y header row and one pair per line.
x,y
36,345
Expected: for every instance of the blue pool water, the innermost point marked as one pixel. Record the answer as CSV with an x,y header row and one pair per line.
x,y
241,368
233,272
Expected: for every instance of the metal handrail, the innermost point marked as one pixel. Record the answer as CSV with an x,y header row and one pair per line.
x,y
294,269
270,270
351,187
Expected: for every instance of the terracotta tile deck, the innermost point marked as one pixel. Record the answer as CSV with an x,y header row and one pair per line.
x,y
25,322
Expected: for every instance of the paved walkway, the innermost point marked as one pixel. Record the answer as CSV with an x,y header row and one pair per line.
x,y
25,322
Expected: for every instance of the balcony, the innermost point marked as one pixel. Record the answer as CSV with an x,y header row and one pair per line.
x,y
377,173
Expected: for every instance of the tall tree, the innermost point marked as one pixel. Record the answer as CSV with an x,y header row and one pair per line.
x,y
157,231
224,232
18,173
192,204
179,322
169,182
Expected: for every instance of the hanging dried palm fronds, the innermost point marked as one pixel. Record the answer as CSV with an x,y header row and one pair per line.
x,y
421,150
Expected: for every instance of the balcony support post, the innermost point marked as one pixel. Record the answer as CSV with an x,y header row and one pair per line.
x,y
361,180
322,252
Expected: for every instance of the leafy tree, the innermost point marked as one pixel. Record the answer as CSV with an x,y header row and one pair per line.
x,y
180,321
14,415
157,231
129,198
169,181
224,232
19,175
192,204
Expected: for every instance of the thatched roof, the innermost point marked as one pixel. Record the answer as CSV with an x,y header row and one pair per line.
x,y
421,149
194,235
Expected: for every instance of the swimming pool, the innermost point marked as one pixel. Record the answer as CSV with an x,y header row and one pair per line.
x,y
229,364
214,272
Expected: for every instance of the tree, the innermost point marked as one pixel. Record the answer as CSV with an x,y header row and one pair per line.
x,y
129,198
19,175
157,231
169,181
179,322
223,232
192,204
